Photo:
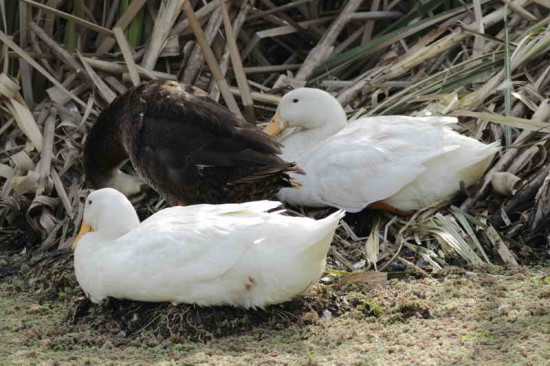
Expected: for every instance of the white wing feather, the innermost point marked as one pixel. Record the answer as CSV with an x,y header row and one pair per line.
x,y
196,213
192,236
178,249
371,159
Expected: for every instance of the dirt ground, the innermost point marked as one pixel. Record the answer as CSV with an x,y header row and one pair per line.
x,y
487,316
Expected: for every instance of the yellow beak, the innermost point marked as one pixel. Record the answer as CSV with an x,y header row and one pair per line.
x,y
276,126
84,229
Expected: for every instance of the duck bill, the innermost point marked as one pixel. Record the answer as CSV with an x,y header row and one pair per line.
x,y
84,229
276,125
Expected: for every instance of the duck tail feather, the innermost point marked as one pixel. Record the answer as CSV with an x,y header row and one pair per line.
x,y
334,217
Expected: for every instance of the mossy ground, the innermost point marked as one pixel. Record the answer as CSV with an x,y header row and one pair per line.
x,y
488,316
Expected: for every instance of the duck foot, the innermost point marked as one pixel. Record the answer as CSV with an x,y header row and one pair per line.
x,y
385,207
181,203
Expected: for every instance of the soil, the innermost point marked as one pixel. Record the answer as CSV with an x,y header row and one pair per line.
x,y
485,315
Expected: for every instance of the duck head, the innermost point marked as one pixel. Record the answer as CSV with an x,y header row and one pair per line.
x,y
108,213
309,109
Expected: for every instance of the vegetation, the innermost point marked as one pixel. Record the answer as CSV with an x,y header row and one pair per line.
x,y
484,61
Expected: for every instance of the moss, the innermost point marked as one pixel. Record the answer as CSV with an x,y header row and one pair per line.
x,y
413,309
45,319
371,309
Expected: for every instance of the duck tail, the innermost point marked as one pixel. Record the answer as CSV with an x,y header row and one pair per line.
x,y
480,161
487,152
329,224
323,235
333,218
494,147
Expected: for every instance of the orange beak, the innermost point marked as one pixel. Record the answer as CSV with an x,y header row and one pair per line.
x,y
84,229
275,126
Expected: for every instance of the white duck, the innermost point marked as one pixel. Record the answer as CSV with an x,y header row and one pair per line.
x,y
396,163
234,254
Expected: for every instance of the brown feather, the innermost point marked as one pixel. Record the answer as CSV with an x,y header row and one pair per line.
x,y
186,146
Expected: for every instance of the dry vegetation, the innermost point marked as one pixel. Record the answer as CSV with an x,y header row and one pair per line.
x,y
486,62
483,61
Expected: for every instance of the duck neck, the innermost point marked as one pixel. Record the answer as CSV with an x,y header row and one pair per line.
x,y
116,222
328,129
301,141
116,229
105,153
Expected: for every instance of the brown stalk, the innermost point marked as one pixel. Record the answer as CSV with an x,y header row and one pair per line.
x,y
211,59
311,33
26,71
196,59
4,38
127,54
238,65
164,22
238,23
282,8
64,55
324,48
103,89
68,16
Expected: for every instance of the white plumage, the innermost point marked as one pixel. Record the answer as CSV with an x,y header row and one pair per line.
x,y
235,254
405,162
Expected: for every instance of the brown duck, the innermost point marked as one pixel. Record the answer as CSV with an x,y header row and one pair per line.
x,y
185,145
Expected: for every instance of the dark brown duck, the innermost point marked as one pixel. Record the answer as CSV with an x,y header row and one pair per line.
x,y
185,145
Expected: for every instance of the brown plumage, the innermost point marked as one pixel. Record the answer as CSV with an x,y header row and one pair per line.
x,y
185,145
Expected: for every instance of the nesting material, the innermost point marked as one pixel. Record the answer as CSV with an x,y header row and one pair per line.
x,y
506,183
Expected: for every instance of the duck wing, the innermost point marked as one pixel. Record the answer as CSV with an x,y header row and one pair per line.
x,y
192,149
372,159
204,212
181,251
163,260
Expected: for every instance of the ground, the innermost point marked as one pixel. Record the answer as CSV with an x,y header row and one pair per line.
x,y
488,316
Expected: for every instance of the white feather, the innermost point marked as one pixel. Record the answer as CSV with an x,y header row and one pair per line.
x,y
407,162
235,254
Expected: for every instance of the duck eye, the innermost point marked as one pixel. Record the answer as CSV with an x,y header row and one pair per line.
x,y
295,100
89,202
